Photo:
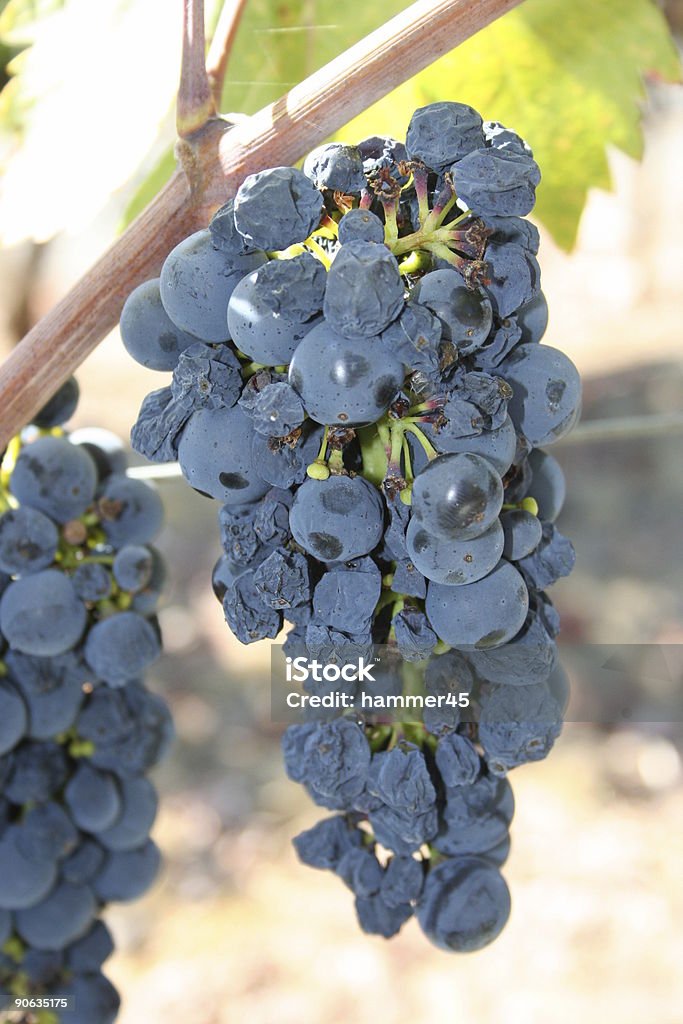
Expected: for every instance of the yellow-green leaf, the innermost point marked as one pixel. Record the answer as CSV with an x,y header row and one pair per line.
x,y
568,76
279,44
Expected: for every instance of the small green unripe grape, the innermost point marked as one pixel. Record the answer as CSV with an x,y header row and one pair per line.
x,y
318,471
406,495
530,505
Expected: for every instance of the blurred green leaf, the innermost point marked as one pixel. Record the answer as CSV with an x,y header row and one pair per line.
x,y
568,77
17,30
19,17
84,106
279,44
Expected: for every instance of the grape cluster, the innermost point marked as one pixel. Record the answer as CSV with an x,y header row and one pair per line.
x,y
79,731
423,808
358,378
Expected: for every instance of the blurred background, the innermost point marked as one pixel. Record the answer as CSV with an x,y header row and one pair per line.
x,y
237,930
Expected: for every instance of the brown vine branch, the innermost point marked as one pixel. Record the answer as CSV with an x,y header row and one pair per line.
x,y
278,134
221,46
195,100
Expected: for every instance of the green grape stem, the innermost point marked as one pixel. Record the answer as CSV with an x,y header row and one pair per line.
x,y
383,446
318,469
444,203
396,433
390,206
430,405
249,369
420,180
378,737
408,474
473,271
396,735
386,598
429,448
335,461
373,454
527,504
441,240
287,254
